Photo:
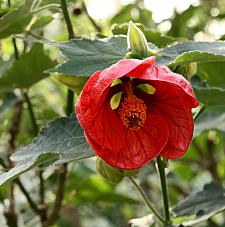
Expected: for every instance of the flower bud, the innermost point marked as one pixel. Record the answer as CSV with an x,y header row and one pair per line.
x,y
73,82
187,70
108,172
136,41
111,173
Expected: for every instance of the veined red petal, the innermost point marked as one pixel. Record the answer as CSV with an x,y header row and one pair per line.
x,y
168,102
163,73
126,149
96,89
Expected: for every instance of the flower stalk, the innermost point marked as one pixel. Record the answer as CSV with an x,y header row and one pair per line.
x,y
145,198
161,169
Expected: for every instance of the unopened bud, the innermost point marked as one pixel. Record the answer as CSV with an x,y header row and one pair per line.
x,y
75,83
111,173
136,41
108,172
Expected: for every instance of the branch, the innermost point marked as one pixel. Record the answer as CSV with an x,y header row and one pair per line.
x,y
59,196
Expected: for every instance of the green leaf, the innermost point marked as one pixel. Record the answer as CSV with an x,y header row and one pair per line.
x,y
210,96
152,36
85,56
203,204
25,165
16,20
27,70
62,137
211,118
212,73
191,51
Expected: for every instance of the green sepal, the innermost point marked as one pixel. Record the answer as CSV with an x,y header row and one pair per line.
x,y
147,88
115,100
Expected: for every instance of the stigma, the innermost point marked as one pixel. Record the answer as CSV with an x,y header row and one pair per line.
x,y
133,112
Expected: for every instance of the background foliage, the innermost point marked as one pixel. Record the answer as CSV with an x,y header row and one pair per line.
x,y
31,99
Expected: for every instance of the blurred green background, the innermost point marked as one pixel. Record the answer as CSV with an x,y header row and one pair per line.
x,y
89,199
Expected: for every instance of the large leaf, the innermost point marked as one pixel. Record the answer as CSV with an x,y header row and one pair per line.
x,y
191,51
203,204
25,165
213,73
85,56
61,137
211,118
151,35
16,20
27,70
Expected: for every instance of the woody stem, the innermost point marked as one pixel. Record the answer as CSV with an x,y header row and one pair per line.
x,y
161,169
144,196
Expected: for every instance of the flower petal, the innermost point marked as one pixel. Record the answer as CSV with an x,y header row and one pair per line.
x,y
126,149
96,89
163,73
169,103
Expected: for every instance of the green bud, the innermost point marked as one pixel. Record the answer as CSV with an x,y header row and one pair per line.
x,y
108,172
187,70
111,173
76,84
136,41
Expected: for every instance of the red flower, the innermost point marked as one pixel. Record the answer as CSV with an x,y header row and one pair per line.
x,y
144,125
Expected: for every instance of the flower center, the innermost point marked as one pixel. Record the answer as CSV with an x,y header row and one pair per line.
x,y
133,112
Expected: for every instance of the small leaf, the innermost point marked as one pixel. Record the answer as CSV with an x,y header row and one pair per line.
x,y
147,88
203,204
115,100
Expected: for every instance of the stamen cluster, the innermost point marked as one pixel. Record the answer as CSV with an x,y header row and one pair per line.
x,y
133,113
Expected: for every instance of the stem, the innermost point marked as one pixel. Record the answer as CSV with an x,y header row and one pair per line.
x,y
26,194
63,169
59,196
31,112
144,196
69,108
161,168
67,18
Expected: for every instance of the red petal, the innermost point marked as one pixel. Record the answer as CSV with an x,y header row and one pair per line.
x,y
169,103
96,88
163,73
126,149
